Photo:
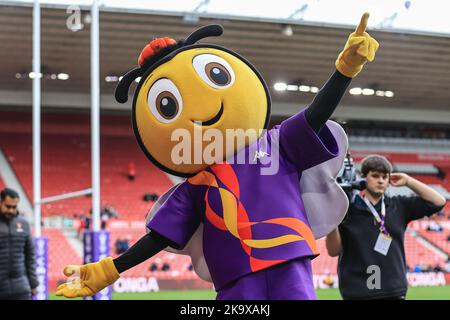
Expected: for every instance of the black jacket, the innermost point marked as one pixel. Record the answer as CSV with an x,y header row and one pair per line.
x,y
17,258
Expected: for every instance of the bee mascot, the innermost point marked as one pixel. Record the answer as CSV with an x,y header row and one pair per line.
x,y
248,213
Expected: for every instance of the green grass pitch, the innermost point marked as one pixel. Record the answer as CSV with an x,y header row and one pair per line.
x,y
417,293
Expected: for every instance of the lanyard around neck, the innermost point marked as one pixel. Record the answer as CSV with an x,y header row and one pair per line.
x,y
374,212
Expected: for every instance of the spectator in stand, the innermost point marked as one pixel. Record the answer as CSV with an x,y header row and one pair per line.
x,y
427,268
434,226
165,267
437,268
417,268
328,280
117,246
88,220
153,267
81,226
126,243
121,245
111,211
104,217
131,171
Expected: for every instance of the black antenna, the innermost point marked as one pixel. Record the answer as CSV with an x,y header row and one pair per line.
x,y
211,30
124,84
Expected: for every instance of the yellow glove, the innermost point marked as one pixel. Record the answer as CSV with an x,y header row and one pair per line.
x,y
359,49
89,278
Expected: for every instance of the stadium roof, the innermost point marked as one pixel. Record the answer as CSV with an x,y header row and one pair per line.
x,y
415,67
408,15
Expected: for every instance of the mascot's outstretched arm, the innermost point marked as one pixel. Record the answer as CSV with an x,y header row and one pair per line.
x,y
359,49
318,184
94,277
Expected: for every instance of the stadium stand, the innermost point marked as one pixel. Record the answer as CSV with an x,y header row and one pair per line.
x,y
179,265
418,254
66,163
56,261
438,238
324,264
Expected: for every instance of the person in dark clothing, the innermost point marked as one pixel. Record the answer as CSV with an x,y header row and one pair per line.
x,y
165,267
121,245
153,267
437,268
87,220
118,246
370,240
18,279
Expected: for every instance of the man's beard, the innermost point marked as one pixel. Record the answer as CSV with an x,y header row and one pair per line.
x,y
6,215
375,194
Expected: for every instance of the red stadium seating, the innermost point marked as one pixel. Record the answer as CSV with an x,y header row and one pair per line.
x,y
416,253
178,264
438,238
324,264
66,163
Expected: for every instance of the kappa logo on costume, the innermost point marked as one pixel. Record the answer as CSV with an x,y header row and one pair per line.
x,y
260,155
19,227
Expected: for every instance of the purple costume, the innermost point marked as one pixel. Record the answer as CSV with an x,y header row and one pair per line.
x,y
256,234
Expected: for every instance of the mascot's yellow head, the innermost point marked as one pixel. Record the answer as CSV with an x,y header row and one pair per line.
x,y
195,87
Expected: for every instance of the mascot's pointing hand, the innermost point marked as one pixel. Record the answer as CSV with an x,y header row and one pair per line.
x,y
88,279
359,49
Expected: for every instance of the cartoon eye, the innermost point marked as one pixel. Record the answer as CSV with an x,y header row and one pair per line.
x,y
165,101
214,70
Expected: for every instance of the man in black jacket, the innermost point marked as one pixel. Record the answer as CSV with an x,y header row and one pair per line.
x,y
17,260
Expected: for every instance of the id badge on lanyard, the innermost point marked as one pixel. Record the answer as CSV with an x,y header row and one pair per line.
x,y
384,238
383,243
